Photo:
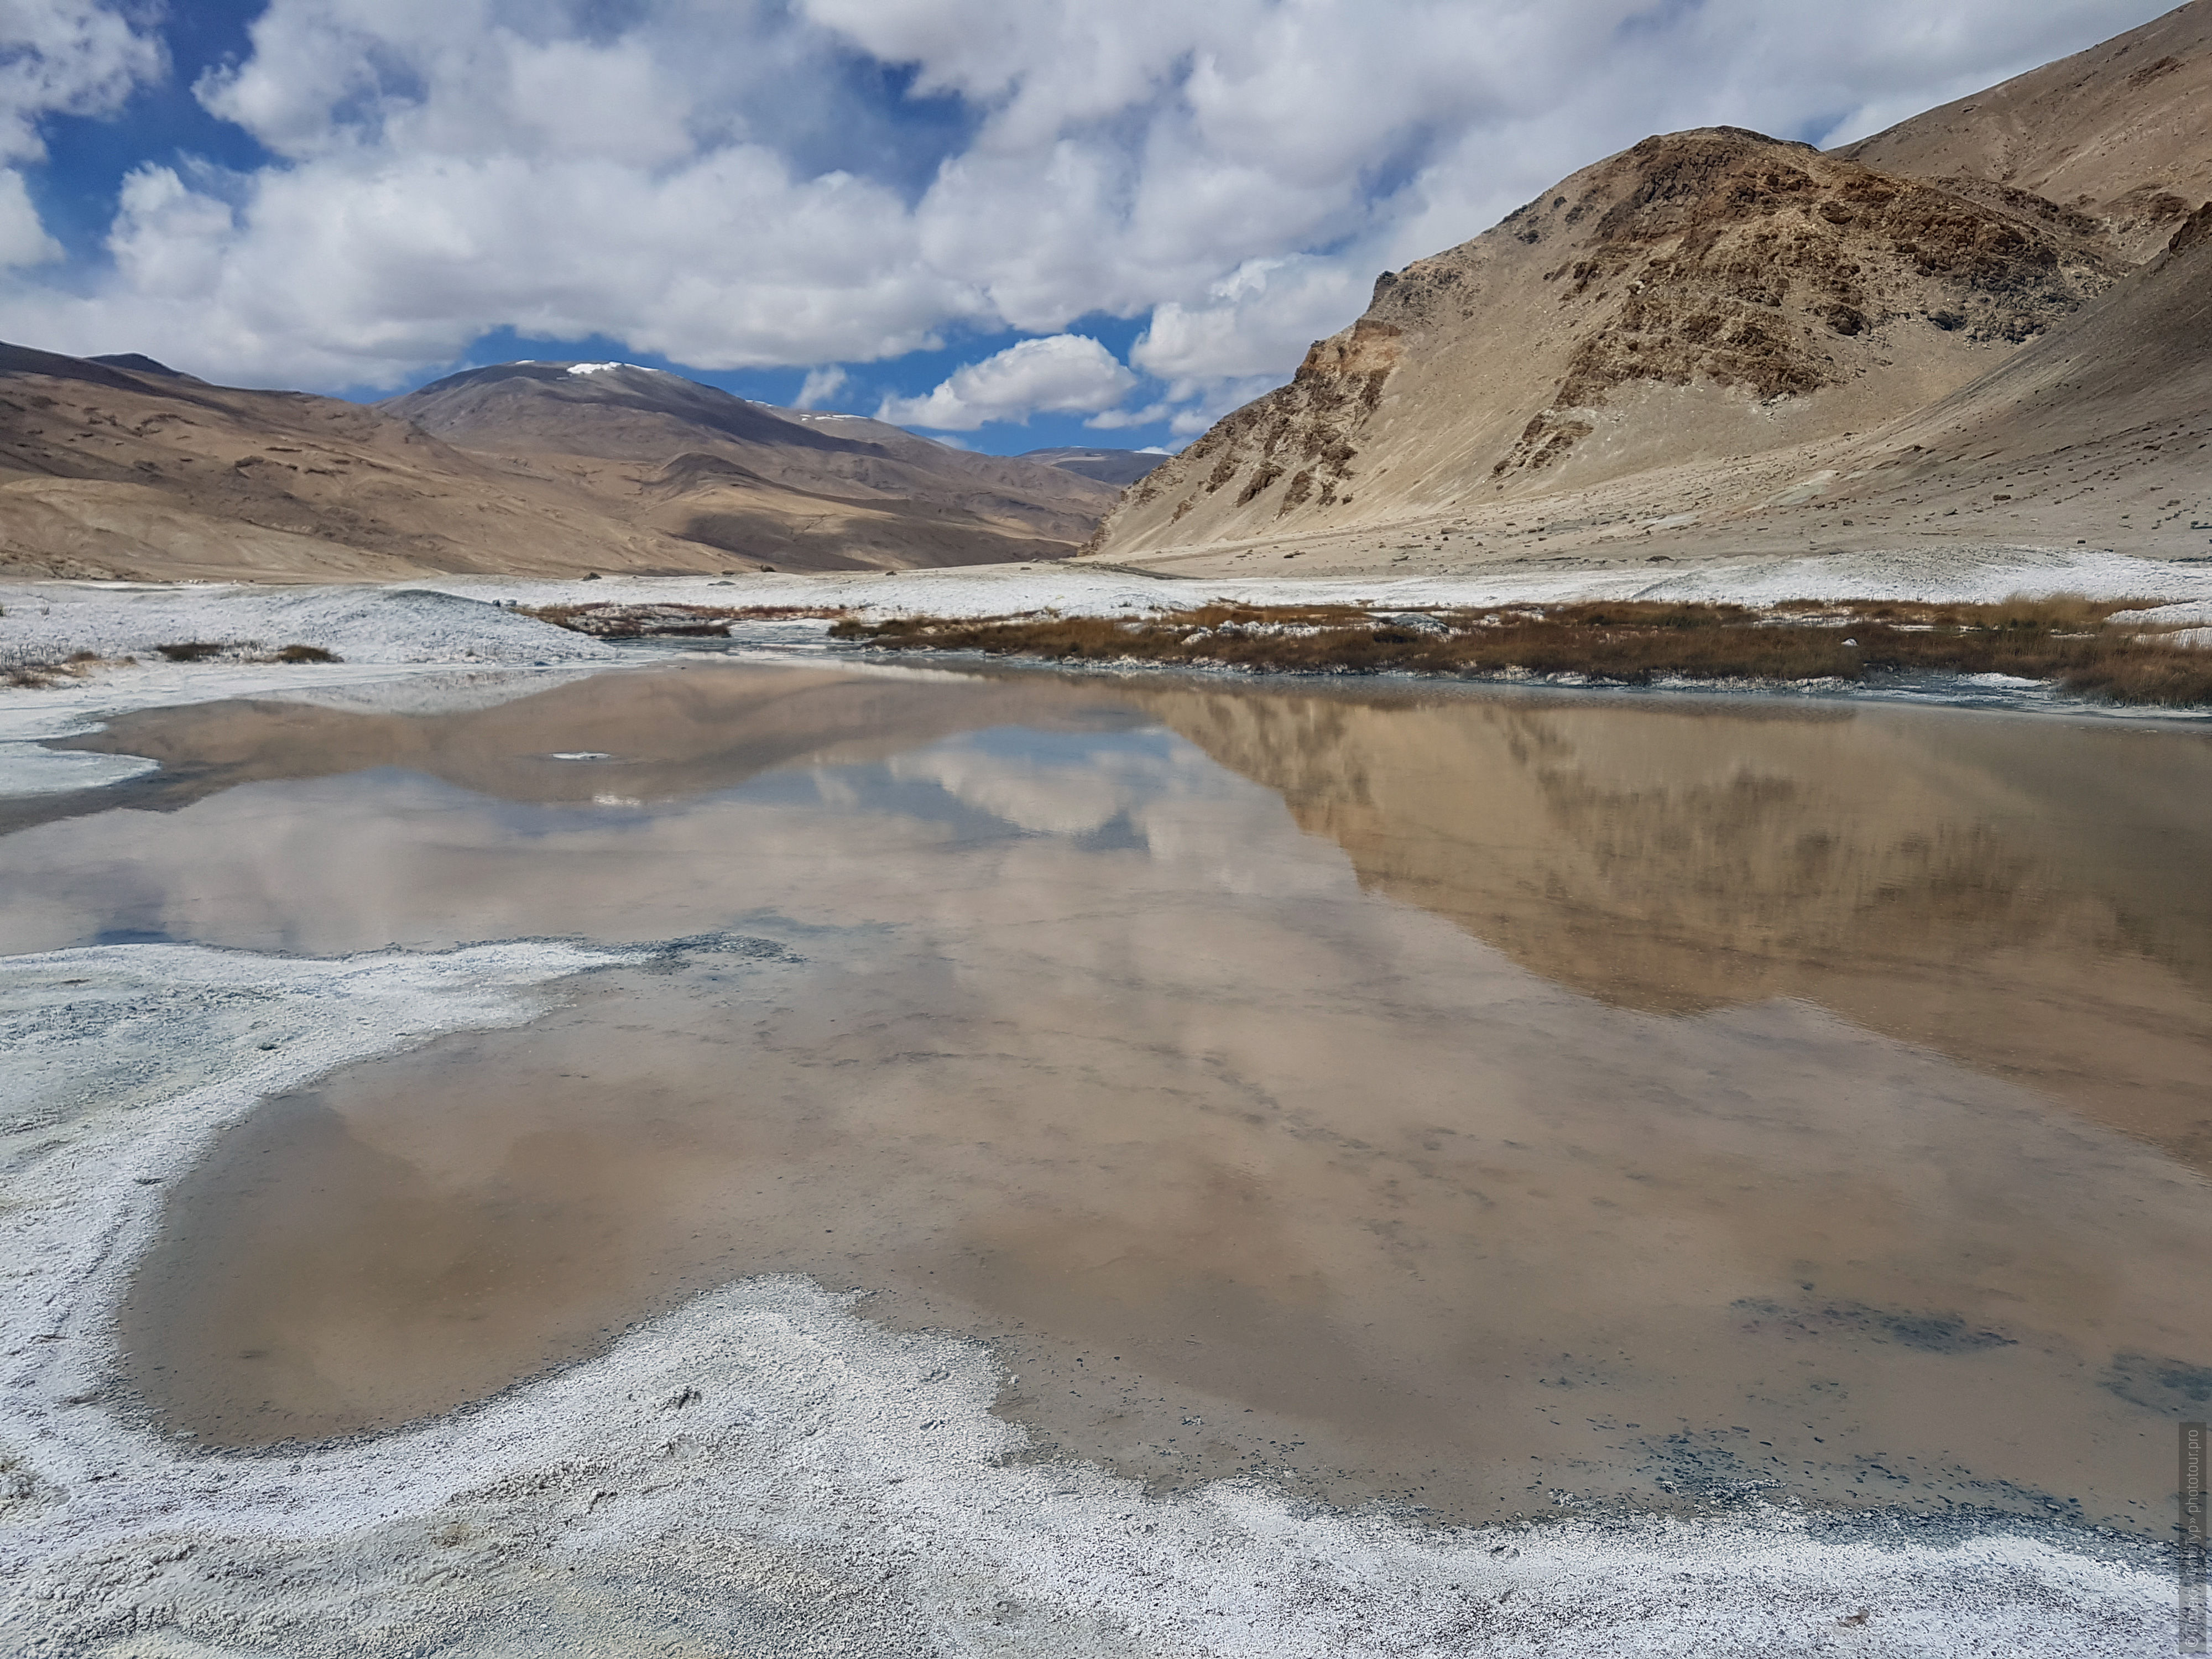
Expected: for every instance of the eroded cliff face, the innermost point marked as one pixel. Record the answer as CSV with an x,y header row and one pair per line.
x,y
1306,432
1702,292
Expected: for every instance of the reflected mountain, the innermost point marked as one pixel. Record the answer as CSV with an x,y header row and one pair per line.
x,y
2022,893
2028,896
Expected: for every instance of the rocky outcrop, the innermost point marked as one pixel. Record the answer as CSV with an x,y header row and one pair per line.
x,y
1742,270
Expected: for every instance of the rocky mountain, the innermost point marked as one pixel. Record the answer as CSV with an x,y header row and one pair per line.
x,y
2117,132
1113,466
1715,340
119,466
125,468
796,489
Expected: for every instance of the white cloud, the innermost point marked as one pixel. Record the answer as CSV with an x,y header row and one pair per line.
x,y
1248,332
1061,374
66,57
709,181
23,239
1115,420
819,386
57,58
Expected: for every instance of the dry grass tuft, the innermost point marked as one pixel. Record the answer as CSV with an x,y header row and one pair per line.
x,y
638,621
33,675
305,654
2065,640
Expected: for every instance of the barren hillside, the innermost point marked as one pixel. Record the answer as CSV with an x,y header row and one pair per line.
x,y
1712,341
120,467
2117,132
779,486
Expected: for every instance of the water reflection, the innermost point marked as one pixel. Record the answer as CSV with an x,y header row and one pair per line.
x,y
2032,897
1456,1099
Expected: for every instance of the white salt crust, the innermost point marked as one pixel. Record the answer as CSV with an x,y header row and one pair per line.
x,y
434,626
1983,575
762,1471
394,624
27,769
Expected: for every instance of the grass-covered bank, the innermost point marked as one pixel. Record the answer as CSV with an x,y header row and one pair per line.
x,y
2068,642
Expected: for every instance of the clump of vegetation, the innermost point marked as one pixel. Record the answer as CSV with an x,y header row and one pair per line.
x,y
638,621
38,675
205,650
2065,640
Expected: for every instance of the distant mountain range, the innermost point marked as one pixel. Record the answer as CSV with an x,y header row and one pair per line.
x,y
119,467
1113,466
1991,323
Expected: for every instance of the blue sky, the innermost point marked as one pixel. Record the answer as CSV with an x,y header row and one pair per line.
x,y
1012,223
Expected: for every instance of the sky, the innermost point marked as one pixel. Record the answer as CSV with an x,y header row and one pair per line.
x,y
1006,223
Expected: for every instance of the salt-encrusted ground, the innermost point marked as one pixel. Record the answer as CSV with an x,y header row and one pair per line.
x,y
472,623
396,624
763,1472
465,620
1096,590
450,647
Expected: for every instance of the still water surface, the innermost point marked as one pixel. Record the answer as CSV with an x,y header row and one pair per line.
x,y
1485,1102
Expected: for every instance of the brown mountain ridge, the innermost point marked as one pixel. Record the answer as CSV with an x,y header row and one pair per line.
x,y
1712,341
120,467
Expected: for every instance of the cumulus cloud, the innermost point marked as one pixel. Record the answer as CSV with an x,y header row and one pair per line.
x,y
1060,374
67,57
57,58
820,385
728,183
23,239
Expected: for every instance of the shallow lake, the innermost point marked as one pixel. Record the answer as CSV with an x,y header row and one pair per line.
x,y
1489,1102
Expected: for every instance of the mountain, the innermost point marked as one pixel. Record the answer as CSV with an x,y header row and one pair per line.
x,y
2117,132
139,362
1117,467
798,489
124,468
119,466
1717,342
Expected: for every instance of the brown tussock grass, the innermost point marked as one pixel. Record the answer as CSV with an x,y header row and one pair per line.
x,y
638,621
38,676
2065,640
